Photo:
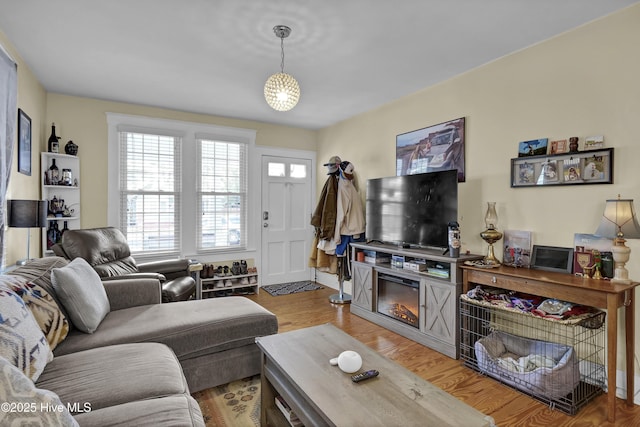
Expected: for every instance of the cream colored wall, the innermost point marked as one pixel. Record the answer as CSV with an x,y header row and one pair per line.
x,y
31,99
584,82
83,120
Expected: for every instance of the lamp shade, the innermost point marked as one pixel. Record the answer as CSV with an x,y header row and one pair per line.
x,y
619,220
27,213
282,92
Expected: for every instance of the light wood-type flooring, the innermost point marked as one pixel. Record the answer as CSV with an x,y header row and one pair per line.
x,y
507,406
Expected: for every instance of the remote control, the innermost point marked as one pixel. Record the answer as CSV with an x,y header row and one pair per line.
x,y
364,375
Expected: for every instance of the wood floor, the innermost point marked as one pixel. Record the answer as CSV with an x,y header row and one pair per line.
x,y
507,406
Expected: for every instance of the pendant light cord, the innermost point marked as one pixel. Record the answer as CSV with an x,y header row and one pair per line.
x,y
282,55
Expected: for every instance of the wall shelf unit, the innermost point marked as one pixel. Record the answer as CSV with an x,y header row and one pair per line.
x,y
67,194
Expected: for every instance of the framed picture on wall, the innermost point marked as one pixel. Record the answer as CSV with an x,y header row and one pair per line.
x,y
24,143
435,148
535,147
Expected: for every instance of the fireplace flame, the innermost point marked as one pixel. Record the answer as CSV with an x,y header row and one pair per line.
x,y
400,311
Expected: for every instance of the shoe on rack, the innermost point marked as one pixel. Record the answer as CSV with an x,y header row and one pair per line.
x,y
253,280
219,284
235,268
218,271
243,267
244,281
228,283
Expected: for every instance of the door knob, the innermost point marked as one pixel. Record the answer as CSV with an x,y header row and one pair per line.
x,y
265,225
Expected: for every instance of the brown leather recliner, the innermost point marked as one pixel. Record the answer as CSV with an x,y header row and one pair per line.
x,y
107,251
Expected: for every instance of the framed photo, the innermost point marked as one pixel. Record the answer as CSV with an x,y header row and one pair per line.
x,y
558,147
517,248
534,147
548,172
584,167
552,258
435,148
24,143
594,142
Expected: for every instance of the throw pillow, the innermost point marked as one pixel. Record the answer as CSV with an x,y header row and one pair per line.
x,y
18,392
38,271
22,343
81,291
45,310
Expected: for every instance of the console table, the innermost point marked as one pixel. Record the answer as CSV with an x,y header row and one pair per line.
x,y
602,294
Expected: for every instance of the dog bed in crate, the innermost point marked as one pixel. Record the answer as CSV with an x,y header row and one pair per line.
x,y
537,367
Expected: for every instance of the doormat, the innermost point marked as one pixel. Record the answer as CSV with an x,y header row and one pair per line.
x,y
236,404
291,288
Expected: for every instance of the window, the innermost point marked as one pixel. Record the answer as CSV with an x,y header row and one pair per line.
x,y
150,187
179,188
222,194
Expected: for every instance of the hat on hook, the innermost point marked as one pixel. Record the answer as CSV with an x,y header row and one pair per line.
x,y
333,164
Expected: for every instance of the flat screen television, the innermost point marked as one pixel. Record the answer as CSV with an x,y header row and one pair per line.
x,y
412,210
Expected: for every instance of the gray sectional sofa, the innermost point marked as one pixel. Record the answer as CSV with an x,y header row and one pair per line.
x,y
144,358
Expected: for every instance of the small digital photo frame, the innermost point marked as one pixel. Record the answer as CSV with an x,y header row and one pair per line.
x,y
552,258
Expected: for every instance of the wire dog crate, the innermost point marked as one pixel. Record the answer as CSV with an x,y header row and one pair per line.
x,y
560,363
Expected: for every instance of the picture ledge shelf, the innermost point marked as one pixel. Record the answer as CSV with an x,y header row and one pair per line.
x,y
582,167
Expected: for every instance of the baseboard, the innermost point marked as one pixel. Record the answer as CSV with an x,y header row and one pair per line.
x,y
621,392
331,281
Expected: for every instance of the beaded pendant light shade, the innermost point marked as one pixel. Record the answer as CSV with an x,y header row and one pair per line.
x,y
281,90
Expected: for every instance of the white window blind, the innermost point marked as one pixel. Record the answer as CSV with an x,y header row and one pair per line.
x,y
150,186
222,194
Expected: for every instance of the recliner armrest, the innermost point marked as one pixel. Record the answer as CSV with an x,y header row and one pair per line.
x,y
137,276
165,266
125,293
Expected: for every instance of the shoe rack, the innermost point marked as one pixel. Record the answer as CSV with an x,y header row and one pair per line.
x,y
226,278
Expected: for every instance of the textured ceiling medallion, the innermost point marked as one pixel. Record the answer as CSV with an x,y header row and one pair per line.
x,y
281,90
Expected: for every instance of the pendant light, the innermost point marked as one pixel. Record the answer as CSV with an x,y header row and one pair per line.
x,y
281,90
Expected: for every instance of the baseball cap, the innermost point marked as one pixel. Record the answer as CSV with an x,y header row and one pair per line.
x,y
347,167
333,163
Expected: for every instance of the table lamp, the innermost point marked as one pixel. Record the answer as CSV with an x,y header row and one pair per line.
x,y
619,221
26,214
491,234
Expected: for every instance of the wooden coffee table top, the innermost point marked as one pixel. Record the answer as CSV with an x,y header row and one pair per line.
x,y
396,397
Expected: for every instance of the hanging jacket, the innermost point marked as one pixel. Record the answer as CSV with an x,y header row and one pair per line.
x,y
324,216
349,213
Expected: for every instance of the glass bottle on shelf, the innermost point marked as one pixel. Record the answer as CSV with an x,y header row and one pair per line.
x,y
65,227
54,173
52,236
53,144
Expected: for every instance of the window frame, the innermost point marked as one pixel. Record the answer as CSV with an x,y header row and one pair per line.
x,y
188,131
242,194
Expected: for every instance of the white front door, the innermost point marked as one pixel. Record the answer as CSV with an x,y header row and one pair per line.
x,y
286,214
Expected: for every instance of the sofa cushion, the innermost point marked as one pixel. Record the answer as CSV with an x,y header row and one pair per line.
x,y
113,375
80,289
170,411
45,310
16,388
22,343
38,271
190,328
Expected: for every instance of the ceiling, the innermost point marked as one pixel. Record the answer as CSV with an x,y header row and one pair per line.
x,y
214,56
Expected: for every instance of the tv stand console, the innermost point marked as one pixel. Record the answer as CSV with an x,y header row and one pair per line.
x,y
439,284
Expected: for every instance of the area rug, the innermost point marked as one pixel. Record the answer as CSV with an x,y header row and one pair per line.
x,y
236,404
291,287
